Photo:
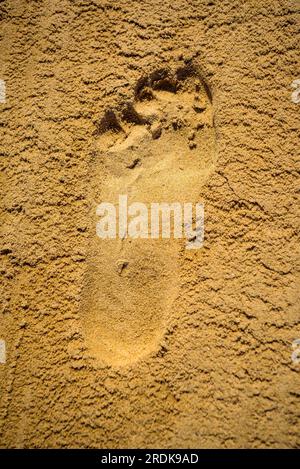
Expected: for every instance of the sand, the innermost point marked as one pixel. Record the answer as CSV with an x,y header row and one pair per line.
x,y
143,343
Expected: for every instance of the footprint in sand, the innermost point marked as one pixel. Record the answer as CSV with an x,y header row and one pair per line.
x,y
160,148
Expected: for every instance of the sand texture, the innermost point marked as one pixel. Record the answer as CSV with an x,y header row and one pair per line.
x,y
143,343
